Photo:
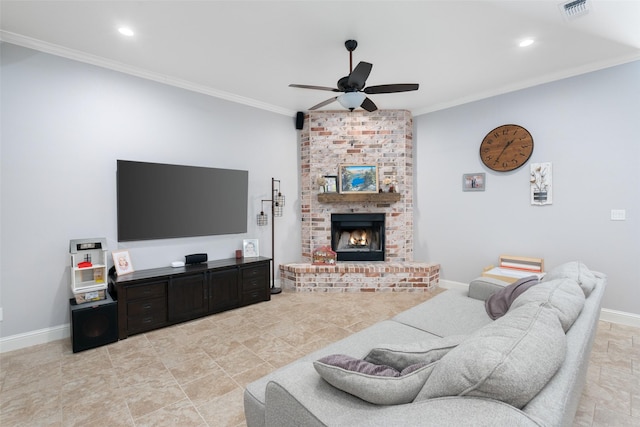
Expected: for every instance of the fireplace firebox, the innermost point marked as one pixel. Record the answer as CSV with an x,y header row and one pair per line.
x,y
358,237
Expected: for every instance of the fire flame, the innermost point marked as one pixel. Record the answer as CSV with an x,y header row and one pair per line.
x,y
359,238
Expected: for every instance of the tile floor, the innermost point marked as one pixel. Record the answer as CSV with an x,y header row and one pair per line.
x,y
193,374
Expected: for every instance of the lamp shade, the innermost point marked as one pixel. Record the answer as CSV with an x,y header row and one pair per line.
x,y
263,219
351,100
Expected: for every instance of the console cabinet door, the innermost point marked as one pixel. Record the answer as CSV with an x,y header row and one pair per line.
x,y
224,290
187,297
255,283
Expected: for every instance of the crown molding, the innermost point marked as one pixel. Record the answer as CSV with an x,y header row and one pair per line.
x,y
87,58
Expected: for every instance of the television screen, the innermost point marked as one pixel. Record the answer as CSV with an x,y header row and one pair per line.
x,y
161,201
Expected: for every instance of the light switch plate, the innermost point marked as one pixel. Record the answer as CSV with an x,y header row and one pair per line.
x,y
618,214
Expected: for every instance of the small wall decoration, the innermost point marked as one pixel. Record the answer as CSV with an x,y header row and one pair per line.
x,y
250,248
122,262
358,178
541,184
324,256
331,183
473,182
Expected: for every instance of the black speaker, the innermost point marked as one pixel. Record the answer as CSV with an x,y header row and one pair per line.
x,y
195,259
299,120
93,323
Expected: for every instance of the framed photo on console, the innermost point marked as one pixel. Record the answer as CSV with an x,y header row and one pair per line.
x,y
250,248
122,262
358,178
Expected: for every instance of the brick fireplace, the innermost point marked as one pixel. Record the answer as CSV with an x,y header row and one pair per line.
x,y
383,138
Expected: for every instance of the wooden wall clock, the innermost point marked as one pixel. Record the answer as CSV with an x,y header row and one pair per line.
x,y
506,148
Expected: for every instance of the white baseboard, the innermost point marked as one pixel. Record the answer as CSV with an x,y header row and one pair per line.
x,y
620,317
450,284
41,336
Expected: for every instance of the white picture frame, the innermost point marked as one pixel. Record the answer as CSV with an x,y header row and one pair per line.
x,y
474,181
250,248
122,262
541,180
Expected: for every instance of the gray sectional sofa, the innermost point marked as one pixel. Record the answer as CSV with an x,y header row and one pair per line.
x,y
445,362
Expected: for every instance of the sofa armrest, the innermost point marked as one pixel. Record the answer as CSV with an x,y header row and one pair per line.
x,y
483,287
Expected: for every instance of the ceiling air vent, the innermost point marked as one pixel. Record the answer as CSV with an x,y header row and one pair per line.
x,y
575,8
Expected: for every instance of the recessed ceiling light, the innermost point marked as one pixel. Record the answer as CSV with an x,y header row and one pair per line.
x,y
126,31
526,42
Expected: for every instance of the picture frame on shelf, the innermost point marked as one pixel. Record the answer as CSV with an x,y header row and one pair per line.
x,y
122,262
473,181
358,178
331,185
250,248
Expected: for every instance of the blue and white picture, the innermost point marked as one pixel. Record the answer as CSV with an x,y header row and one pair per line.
x,y
358,178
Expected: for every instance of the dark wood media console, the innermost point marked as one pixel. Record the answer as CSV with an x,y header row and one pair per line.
x,y
152,299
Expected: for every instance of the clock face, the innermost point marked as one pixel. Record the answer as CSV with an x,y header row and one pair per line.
x,y
506,148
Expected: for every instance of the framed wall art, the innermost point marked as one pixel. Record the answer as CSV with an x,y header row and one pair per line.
x,y
358,178
122,262
473,182
541,184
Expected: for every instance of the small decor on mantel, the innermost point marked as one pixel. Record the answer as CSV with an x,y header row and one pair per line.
x,y
390,185
324,256
321,182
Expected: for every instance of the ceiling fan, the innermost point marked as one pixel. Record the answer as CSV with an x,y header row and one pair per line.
x,y
354,93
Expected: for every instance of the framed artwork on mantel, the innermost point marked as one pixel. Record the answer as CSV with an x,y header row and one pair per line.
x,y
358,178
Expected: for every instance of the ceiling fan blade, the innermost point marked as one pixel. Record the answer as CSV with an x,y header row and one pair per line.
x,y
323,103
332,89
403,87
358,77
368,105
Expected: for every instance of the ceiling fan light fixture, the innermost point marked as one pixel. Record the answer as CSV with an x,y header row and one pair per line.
x,y
351,100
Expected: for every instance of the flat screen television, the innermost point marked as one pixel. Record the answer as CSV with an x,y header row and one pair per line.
x,y
163,201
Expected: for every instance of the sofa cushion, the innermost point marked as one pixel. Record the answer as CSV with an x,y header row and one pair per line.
x,y
498,304
564,296
509,360
399,356
378,384
483,287
577,271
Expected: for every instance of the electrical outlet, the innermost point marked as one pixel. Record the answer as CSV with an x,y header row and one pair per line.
x,y
618,214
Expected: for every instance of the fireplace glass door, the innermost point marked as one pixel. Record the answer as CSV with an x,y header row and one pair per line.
x,y
358,237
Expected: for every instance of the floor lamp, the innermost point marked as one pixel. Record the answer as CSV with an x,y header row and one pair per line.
x,y
277,203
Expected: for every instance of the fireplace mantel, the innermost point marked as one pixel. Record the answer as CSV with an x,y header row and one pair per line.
x,y
358,197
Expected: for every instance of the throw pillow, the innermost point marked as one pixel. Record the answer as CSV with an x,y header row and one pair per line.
x,y
380,385
483,287
509,360
400,356
564,296
577,271
498,304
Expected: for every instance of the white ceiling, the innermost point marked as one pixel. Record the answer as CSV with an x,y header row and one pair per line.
x,y
249,51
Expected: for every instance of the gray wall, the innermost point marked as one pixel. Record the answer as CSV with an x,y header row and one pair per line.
x,y
65,123
589,128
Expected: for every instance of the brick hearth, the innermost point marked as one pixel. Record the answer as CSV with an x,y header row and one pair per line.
x,y
384,138
361,277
